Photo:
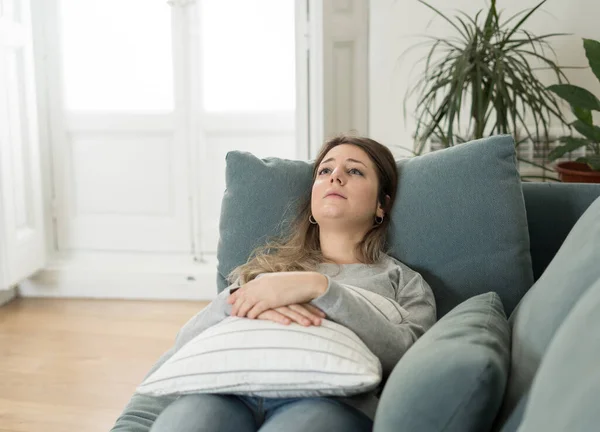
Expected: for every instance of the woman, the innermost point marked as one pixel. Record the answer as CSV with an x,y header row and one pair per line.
x,y
339,236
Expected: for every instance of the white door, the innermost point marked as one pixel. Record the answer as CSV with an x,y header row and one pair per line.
x,y
118,114
22,246
337,67
246,93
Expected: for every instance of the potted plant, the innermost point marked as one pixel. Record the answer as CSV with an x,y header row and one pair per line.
x,y
584,169
485,66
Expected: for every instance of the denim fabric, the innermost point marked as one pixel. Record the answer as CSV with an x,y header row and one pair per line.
x,y
232,413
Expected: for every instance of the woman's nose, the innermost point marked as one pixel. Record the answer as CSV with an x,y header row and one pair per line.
x,y
336,176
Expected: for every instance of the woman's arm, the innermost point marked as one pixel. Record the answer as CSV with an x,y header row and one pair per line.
x,y
216,311
273,290
387,339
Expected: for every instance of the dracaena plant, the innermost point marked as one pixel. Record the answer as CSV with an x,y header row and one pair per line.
x,y
486,66
582,104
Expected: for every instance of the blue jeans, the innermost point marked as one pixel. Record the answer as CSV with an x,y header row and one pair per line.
x,y
233,413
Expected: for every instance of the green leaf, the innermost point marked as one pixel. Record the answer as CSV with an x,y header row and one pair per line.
x,y
528,162
487,73
591,132
515,43
576,96
592,52
585,115
593,161
452,23
525,18
571,143
491,22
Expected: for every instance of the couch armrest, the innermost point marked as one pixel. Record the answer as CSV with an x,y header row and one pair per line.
x,y
552,210
141,412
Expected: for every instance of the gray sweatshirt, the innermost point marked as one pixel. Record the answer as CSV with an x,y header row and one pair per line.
x,y
345,302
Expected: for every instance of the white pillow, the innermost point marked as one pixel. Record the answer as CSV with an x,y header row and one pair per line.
x,y
263,358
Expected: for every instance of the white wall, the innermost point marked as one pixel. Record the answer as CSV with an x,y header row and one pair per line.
x,y
395,25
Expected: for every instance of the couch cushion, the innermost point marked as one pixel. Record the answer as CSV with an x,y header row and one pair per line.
x,y
459,217
544,308
460,221
564,393
453,377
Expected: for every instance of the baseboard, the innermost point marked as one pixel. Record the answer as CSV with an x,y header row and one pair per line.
x,y
76,280
8,295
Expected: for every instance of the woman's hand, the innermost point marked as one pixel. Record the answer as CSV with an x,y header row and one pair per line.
x,y
274,290
304,314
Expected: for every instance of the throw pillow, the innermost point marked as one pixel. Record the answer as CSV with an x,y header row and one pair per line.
x,y
459,217
453,377
545,306
264,358
564,393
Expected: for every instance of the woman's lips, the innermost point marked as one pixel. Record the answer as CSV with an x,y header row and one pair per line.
x,y
334,196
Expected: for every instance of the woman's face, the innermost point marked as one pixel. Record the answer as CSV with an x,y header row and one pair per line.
x,y
345,188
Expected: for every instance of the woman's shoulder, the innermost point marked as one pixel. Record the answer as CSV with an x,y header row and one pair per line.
x,y
403,272
390,261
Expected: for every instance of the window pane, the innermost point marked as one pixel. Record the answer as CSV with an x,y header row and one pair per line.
x,y
117,54
248,50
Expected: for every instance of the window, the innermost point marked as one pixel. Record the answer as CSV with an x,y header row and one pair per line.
x,y
112,59
248,55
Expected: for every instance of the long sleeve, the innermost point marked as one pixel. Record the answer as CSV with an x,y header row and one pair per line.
x,y
215,312
387,335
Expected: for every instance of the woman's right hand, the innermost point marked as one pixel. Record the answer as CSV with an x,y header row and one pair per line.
x,y
304,314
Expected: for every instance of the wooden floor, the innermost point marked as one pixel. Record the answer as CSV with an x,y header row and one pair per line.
x,y
72,365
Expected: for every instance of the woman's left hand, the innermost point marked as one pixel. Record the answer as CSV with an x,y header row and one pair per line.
x,y
273,290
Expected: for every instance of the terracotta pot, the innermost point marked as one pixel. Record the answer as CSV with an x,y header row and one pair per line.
x,y
577,172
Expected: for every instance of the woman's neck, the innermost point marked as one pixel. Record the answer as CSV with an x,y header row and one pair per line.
x,y
339,247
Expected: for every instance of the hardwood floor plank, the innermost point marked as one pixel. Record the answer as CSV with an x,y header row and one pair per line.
x,y
70,365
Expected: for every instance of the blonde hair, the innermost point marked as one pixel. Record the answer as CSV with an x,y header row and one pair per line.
x,y
300,250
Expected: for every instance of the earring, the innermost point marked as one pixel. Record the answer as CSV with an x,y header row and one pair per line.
x,y
312,220
378,220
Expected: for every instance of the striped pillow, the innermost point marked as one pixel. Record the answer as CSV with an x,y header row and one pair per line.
x,y
264,358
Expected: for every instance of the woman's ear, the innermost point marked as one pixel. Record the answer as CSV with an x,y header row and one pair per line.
x,y
381,209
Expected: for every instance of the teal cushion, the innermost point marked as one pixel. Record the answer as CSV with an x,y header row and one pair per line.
x,y
460,221
459,217
260,197
543,309
564,394
453,377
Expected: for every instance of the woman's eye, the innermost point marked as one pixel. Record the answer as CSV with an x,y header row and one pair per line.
x,y
351,171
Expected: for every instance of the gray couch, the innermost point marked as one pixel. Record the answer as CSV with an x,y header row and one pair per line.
x,y
566,267
551,211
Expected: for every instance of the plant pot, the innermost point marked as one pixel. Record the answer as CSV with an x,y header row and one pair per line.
x,y
577,172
